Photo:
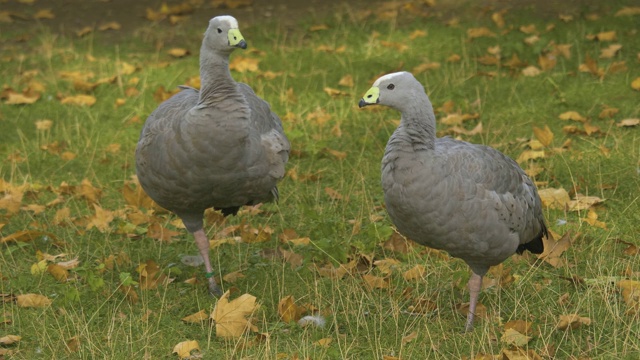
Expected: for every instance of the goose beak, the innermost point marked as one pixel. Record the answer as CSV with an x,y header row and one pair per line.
x,y
371,97
236,39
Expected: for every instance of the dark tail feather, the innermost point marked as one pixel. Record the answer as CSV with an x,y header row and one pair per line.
x,y
233,210
535,246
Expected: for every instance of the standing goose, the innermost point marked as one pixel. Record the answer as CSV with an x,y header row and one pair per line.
x,y
219,147
470,200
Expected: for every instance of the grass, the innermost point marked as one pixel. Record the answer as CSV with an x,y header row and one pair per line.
x,y
361,322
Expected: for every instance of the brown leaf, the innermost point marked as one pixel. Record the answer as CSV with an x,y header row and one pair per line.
x,y
159,232
572,115
473,33
628,11
151,276
10,340
553,249
609,52
178,52
531,71
527,155
545,136
79,100
333,194
334,92
198,317
521,326
515,338
346,80
462,131
58,272
33,300
409,338
582,202
232,277
232,317
498,19
21,99
415,273
397,242
628,123
481,310
635,84
289,311
631,295
112,25
425,66
243,64
572,321
376,282
324,342
101,219
417,33
606,36
592,219
184,349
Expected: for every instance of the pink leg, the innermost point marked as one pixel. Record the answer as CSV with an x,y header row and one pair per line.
x,y
203,245
475,284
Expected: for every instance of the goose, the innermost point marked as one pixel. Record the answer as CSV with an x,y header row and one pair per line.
x,y
469,200
218,147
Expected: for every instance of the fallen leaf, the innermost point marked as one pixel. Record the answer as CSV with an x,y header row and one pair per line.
x,y
9,339
611,51
232,277
425,66
32,300
101,219
572,115
527,155
572,321
515,338
198,317
289,311
84,31
545,136
394,45
635,84
150,276
112,25
628,123
631,295
178,52
346,80
415,273
592,219
231,317
409,338
606,36
528,29
518,354
473,33
417,33
159,232
319,27
582,202
531,71
398,243
333,194
521,326
58,272
44,14
244,64
628,11
334,92
498,19
79,100
462,131
376,282
324,342
185,348
553,249
73,344
481,310
21,99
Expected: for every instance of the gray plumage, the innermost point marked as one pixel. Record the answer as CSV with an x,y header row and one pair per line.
x,y
470,200
219,147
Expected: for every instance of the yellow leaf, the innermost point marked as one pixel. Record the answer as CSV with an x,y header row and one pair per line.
x,y
39,268
386,266
394,45
21,99
545,136
606,36
113,25
101,219
530,155
288,310
58,272
319,27
592,219
409,338
498,19
460,130
635,84
232,277
325,342
417,33
480,32
610,51
531,71
628,123
553,249
515,338
126,69
80,100
44,14
608,112
185,348
454,58
582,202
334,92
572,321
84,31
231,317
415,273
243,64
375,282
333,194
178,52
346,80
628,11
425,66
521,326
481,310
198,317
9,339
631,295
528,29
531,40
43,125
299,241
572,115
32,300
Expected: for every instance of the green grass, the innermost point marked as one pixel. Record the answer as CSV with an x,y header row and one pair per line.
x,y
362,323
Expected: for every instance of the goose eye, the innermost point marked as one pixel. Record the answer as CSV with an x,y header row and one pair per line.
x,y
391,86
219,31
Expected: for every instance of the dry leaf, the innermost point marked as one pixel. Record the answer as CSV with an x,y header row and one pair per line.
x,y
480,32
530,155
572,321
572,115
628,11
498,18
554,249
631,295
232,277
417,33
9,339
628,123
415,273
243,64
376,282
112,25
515,338
397,242
481,310
521,326
635,84
545,136
531,71
592,219
325,342
346,80
610,51
198,317
58,272
44,14
289,311
80,100
101,219
335,92
232,317
32,300
409,338
178,52
21,99
582,202
184,349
